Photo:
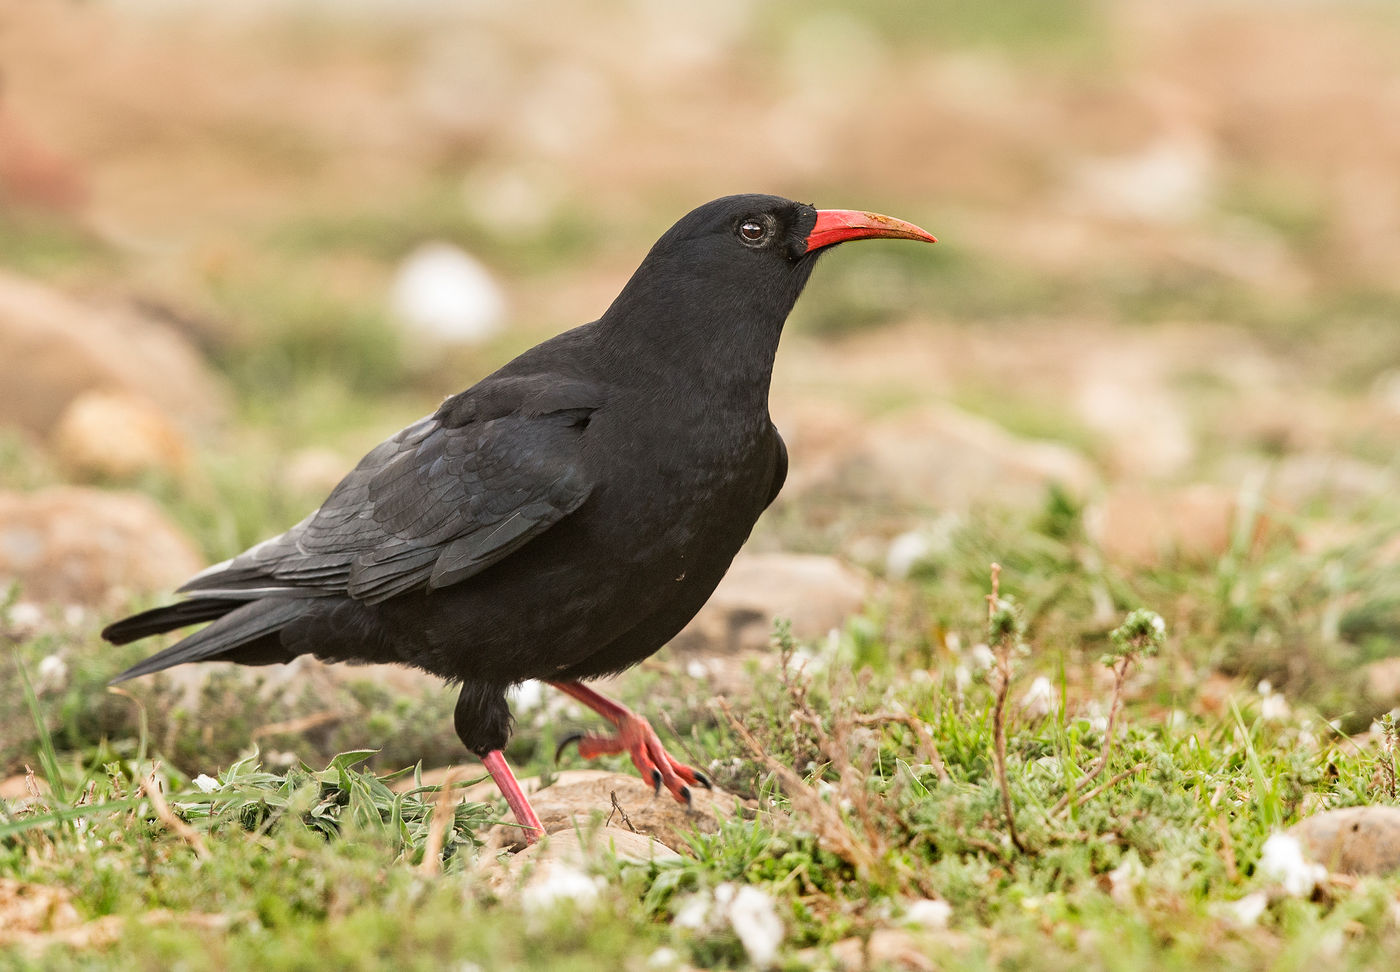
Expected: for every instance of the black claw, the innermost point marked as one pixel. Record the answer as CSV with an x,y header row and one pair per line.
x,y
685,795
656,780
702,779
568,740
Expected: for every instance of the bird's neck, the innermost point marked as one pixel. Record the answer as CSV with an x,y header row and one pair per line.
x,y
712,336
717,347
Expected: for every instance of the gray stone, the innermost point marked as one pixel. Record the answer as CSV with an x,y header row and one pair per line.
x,y
1354,840
56,348
817,593
76,545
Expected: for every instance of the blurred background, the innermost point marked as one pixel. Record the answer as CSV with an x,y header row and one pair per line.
x,y
1155,358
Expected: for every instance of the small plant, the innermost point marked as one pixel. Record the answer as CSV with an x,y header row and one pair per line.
x,y
1141,635
1004,631
1386,761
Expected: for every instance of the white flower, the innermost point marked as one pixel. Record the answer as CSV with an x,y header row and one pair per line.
x,y
26,616
1247,910
1124,878
694,914
697,669
53,675
981,657
1282,861
1039,700
755,920
560,882
205,783
749,911
663,958
929,912
1273,707
906,550
962,678
1095,716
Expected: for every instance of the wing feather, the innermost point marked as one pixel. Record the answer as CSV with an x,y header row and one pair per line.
x,y
442,500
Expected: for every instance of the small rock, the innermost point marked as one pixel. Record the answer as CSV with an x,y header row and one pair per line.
x,y
1124,395
117,435
1297,480
28,907
1141,528
577,798
1168,181
1354,840
1381,681
565,854
56,348
817,593
942,458
22,786
79,545
899,949
446,295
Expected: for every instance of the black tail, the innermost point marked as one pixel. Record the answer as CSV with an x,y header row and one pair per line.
x,y
240,624
162,619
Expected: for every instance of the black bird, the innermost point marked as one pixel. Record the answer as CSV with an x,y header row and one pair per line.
x,y
562,518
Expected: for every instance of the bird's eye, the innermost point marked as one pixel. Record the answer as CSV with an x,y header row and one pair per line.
x,y
752,231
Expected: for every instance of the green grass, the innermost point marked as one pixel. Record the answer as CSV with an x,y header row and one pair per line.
x,y
317,866
308,867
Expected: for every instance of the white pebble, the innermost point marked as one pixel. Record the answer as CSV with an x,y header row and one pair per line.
x,y
1248,909
930,913
53,675
560,882
905,553
754,918
26,616
1039,700
446,294
1282,861
663,958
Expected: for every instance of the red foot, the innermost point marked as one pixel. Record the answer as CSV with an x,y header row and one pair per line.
x,y
531,828
635,737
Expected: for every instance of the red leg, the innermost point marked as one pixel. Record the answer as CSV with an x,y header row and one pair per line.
x,y
635,737
495,763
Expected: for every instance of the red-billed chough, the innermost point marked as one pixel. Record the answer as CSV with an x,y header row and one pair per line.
x,y
562,518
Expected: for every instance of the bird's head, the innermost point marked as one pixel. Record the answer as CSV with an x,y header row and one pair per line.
x,y
757,245
739,263
750,230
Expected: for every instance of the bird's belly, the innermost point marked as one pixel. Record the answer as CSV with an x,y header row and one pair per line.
x,y
607,585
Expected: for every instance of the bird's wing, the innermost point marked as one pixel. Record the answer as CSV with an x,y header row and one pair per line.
x,y
442,500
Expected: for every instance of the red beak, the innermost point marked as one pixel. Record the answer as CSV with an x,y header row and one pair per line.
x,y
839,225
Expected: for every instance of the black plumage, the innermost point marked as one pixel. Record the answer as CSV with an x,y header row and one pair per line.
x,y
564,517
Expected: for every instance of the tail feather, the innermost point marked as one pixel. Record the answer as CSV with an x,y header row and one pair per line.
x,y
245,623
162,619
